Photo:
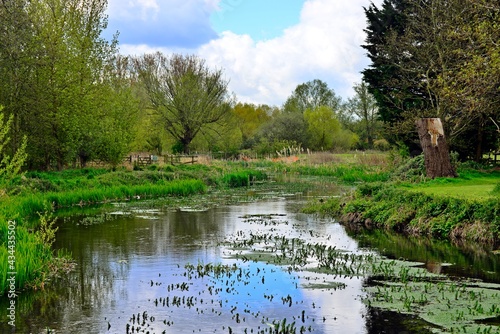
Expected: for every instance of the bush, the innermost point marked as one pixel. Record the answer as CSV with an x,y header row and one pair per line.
x,y
410,169
381,145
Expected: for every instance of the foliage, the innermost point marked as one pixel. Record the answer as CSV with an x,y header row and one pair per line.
x,y
64,91
381,145
188,97
496,190
46,234
243,178
364,107
345,140
290,127
9,167
323,127
411,169
249,119
311,95
332,206
436,59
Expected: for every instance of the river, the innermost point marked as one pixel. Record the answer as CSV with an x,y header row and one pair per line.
x,y
138,271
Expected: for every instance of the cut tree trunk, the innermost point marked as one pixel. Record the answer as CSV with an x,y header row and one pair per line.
x,y
436,152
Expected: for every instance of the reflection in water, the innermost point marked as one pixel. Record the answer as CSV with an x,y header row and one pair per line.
x,y
437,256
131,267
126,265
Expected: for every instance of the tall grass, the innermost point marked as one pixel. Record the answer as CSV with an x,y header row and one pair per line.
x,y
344,173
29,205
32,254
243,178
31,257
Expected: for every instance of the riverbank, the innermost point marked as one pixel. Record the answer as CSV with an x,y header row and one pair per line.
x,y
27,226
463,210
388,195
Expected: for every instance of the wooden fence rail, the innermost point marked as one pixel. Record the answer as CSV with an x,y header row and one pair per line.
x,y
174,159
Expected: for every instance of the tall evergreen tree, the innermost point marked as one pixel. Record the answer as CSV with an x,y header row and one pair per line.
x,y
427,60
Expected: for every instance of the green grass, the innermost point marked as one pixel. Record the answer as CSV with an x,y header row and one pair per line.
x,y
243,178
470,185
466,208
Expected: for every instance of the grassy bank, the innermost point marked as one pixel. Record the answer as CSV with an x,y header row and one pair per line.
x,y
26,224
463,209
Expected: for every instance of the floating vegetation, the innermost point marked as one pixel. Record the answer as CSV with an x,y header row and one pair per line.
x,y
95,219
453,306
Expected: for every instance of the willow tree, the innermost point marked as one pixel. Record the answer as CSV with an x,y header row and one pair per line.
x,y
188,97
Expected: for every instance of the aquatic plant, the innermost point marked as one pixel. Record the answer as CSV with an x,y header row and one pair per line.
x,y
243,178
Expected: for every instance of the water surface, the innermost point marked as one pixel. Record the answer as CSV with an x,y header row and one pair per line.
x,y
132,274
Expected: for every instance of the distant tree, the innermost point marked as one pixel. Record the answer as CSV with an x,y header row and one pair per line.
x,y
188,97
290,127
249,118
311,95
364,107
323,127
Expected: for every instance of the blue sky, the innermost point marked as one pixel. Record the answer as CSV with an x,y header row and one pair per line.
x,y
265,47
261,19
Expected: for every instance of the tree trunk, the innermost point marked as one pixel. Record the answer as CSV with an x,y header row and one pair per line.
x,y
436,152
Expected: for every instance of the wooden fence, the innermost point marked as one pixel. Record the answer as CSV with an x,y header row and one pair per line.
x,y
176,159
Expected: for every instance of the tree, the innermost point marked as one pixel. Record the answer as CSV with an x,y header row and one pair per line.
x,y
323,127
387,23
311,95
364,106
249,119
16,39
289,127
56,79
188,97
436,152
427,60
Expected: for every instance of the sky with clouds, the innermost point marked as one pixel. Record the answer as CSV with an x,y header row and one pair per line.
x,y
265,47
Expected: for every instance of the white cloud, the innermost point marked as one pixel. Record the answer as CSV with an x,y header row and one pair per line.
x,y
162,22
324,45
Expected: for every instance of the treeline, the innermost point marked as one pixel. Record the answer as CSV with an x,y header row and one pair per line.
x,y
76,99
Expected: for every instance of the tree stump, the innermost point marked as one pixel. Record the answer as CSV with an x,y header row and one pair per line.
x,y
436,151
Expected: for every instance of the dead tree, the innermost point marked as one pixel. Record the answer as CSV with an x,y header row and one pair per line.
x,y
436,151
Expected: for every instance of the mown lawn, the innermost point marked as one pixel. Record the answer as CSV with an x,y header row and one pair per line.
x,y
474,186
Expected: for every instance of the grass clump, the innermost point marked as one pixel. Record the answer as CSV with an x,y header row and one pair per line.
x,y
328,207
243,178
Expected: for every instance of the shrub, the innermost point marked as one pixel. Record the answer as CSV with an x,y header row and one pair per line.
x,y
382,145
